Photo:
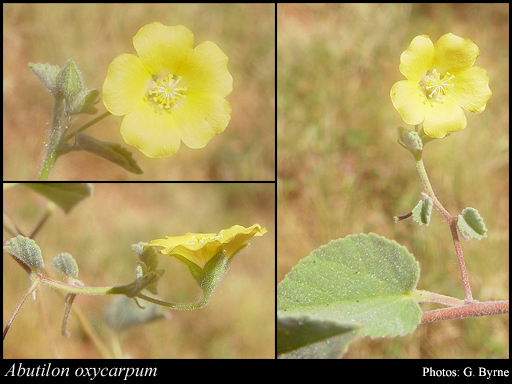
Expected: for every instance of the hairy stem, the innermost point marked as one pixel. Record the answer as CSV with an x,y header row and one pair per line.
x,y
452,222
85,126
473,309
51,154
197,304
33,286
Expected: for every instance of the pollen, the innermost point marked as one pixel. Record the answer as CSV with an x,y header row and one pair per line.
x,y
436,86
167,91
202,239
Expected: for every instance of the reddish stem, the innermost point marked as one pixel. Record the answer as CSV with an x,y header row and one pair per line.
x,y
470,310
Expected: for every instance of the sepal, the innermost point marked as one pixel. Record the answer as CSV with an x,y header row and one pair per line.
x,y
213,272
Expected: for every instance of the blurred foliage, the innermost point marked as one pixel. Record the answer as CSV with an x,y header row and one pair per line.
x,y
93,35
239,321
341,170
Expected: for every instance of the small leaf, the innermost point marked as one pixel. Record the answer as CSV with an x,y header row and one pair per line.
x,y
26,251
303,337
65,195
422,211
113,152
66,264
471,225
48,75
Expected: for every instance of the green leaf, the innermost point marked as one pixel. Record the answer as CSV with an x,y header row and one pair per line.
x,y
360,280
123,313
66,264
65,195
303,337
112,152
26,251
48,74
422,211
471,225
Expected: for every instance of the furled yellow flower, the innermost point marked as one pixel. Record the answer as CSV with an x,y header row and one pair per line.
x,y
171,92
199,248
441,80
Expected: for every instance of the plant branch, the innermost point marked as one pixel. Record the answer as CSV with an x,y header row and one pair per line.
x,y
73,289
31,289
85,126
430,297
473,309
452,222
55,132
198,304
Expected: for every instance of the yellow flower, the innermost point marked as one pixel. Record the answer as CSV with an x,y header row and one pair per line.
x,y
441,80
199,248
171,92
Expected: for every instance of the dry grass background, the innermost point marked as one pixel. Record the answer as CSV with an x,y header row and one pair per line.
x,y
237,323
341,171
93,35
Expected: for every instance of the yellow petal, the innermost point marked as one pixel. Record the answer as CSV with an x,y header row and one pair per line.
x,y
454,54
201,247
206,70
126,85
163,49
417,59
207,116
238,235
409,101
444,118
171,92
155,132
471,89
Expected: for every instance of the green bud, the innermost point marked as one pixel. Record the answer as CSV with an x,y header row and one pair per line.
x,y
78,98
84,102
70,81
411,141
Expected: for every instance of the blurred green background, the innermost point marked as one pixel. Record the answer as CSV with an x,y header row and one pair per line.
x,y
93,35
237,323
341,170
